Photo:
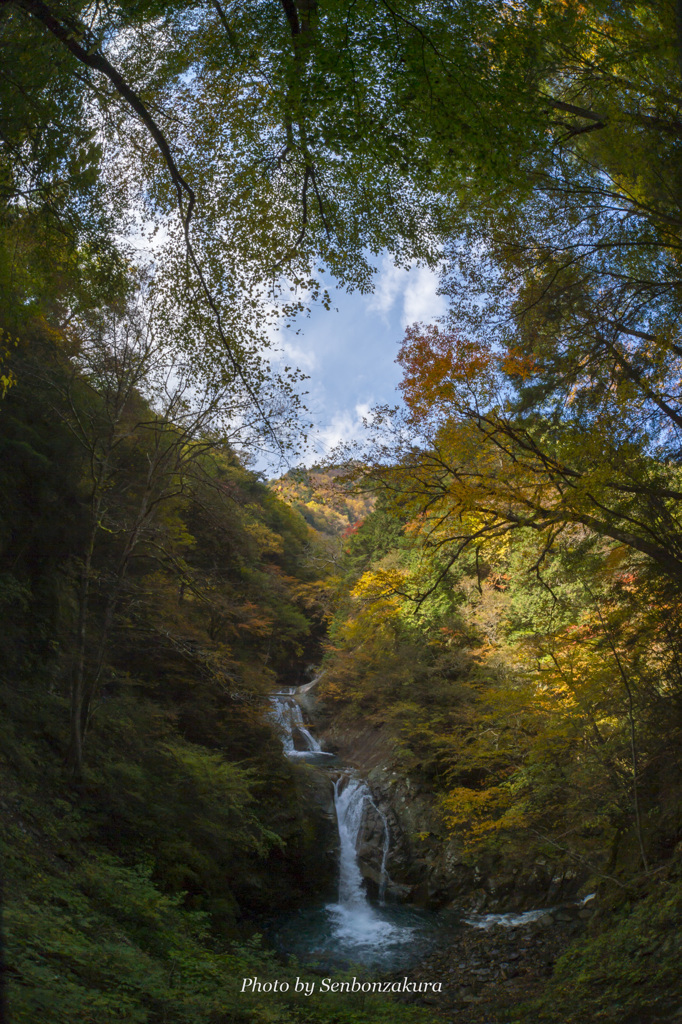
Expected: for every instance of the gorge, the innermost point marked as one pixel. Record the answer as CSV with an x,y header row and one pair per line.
x,y
379,933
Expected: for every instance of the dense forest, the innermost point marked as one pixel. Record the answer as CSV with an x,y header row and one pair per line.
x,y
489,581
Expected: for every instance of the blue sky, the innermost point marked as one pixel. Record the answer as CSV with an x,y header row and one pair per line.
x,y
349,352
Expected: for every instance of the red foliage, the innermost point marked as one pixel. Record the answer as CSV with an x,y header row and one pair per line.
x,y
352,528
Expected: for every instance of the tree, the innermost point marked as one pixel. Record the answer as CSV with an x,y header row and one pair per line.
x,y
475,468
273,142
142,426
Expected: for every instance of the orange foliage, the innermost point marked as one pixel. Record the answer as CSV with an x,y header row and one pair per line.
x,y
516,363
438,366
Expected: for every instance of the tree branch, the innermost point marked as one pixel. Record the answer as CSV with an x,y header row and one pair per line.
x,y
68,37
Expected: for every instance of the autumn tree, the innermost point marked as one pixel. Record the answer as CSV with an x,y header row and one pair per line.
x,y
144,426
475,468
271,143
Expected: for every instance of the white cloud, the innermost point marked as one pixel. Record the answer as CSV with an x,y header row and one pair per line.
x,y
390,283
420,301
345,425
417,286
301,356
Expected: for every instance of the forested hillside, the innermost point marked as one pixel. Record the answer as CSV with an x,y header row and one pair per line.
x,y
152,590
490,578
325,500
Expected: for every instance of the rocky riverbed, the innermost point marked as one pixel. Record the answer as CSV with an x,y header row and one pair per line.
x,y
486,971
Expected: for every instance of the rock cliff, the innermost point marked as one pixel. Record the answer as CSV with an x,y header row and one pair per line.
x,y
425,865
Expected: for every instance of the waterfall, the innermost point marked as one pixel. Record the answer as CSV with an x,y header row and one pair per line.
x,y
288,717
349,802
350,806
351,930
350,798
355,922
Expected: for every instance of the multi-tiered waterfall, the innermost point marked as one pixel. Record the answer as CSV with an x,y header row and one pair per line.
x,y
353,929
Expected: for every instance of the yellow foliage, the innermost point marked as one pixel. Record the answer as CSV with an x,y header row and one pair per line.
x,y
7,378
268,542
379,583
480,813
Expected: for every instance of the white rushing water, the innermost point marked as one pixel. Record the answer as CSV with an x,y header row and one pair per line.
x,y
515,920
288,718
355,923
512,920
351,930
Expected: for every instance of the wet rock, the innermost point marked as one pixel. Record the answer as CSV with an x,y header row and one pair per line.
x,y
484,971
315,840
425,865
300,741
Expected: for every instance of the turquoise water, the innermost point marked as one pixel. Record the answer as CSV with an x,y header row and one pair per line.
x,y
388,937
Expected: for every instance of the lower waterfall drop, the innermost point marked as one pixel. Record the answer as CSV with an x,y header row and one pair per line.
x,y
355,923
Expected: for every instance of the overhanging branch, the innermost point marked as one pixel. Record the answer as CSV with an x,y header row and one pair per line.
x,y
69,36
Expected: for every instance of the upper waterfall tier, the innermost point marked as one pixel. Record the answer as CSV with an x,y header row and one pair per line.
x,y
288,718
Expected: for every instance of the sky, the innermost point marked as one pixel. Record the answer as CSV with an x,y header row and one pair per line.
x,y
349,351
